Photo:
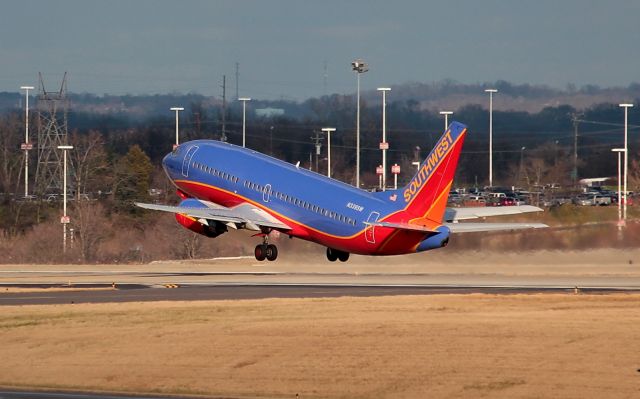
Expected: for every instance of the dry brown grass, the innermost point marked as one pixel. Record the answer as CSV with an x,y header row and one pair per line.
x,y
440,346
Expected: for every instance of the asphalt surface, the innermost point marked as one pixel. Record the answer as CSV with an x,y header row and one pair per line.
x,y
235,292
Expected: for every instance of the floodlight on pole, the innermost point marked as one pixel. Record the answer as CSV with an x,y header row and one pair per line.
x,y
384,146
626,158
27,145
491,91
328,130
359,67
620,220
65,219
446,118
244,119
177,110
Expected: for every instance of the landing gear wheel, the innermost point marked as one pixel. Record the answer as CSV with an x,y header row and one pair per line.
x,y
260,252
343,256
271,252
332,255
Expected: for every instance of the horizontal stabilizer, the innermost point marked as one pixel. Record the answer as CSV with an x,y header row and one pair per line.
x,y
403,226
453,214
479,227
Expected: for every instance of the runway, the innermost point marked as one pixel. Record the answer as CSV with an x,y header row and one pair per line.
x,y
244,278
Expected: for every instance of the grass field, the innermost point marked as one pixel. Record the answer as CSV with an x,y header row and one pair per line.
x,y
439,346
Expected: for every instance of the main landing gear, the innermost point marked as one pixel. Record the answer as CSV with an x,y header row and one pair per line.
x,y
266,251
334,254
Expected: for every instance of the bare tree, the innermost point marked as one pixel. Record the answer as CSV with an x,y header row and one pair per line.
x,y
90,162
191,245
11,158
90,223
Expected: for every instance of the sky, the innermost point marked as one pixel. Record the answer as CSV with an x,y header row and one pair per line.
x,y
284,47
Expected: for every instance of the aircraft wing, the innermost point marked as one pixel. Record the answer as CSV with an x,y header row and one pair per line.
x,y
478,227
455,214
243,216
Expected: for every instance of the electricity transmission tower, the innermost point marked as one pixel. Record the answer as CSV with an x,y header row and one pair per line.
x,y
52,132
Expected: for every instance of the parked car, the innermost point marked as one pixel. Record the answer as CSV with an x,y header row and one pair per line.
x,y
493,201
507,201
519,199
584,200
602,200
455,198
557,201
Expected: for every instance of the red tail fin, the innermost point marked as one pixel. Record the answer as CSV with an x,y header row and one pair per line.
x,y
426,195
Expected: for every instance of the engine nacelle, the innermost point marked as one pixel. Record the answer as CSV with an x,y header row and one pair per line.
x,y
213,229
439,240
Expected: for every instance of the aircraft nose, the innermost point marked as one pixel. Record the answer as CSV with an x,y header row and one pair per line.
x,y
171,162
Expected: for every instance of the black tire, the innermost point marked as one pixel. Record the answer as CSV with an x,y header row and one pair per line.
x,y
343,256
260,252
332,255
272,252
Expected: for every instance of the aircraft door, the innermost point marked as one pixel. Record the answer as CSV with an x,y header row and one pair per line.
x,y
186,161
266,193
369,233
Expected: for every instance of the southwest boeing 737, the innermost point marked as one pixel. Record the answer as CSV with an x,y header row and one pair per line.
x,y
224,186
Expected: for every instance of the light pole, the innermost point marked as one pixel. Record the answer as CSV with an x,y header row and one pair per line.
x,y
395,169
359,67
491,91
65,219
244,118
177,109
384,146
328,130
626,158
27,145
446,118
620,220
521,163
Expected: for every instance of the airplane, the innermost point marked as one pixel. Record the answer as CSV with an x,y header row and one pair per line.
x,y
225,186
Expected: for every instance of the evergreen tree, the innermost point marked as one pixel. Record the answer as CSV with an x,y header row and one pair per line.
x,y
132,180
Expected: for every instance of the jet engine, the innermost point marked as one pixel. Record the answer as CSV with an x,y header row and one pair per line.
x,y
437,240
205,227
